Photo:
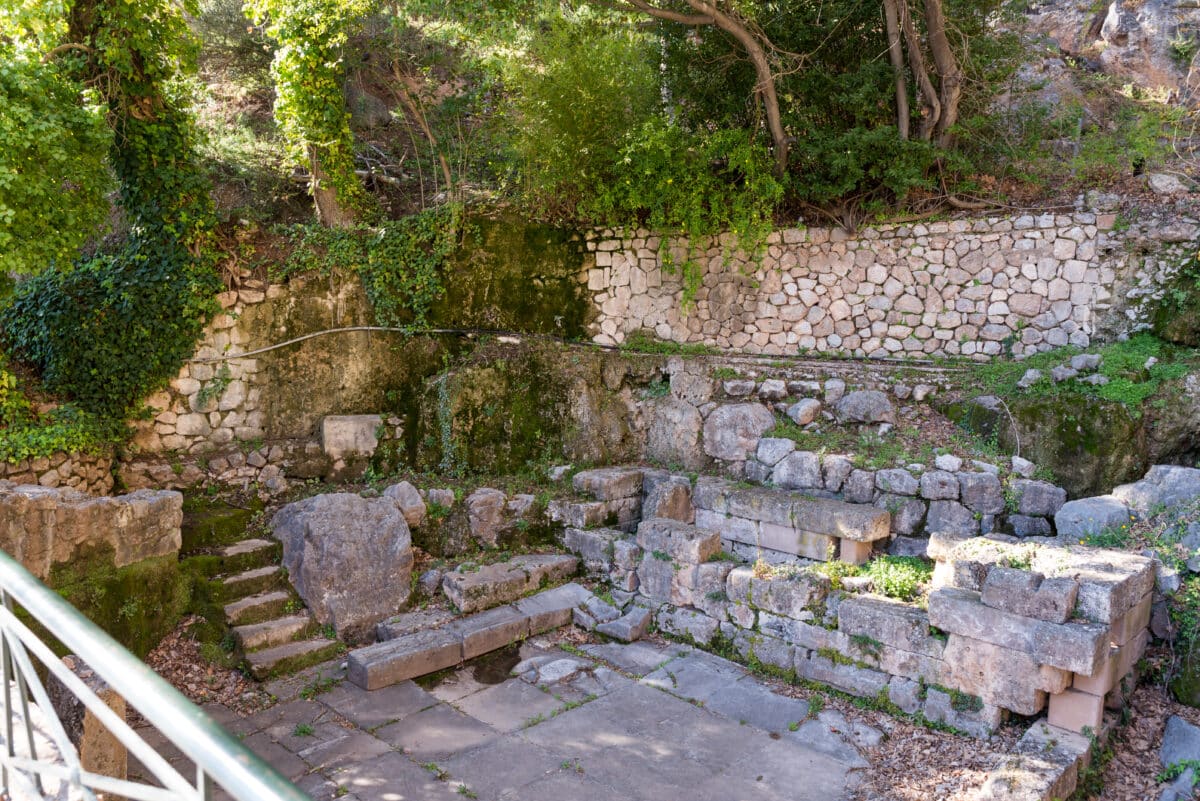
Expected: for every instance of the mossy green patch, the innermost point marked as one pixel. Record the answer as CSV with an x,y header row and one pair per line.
x,y
209,522
138,604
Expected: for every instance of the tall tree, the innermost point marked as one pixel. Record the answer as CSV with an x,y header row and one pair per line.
x,y
310,104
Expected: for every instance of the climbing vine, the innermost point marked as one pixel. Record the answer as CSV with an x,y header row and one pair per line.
x,y
117,326
53,178
310,106
399,262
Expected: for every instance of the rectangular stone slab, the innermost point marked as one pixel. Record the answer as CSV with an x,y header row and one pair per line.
x,y
490,630
1076,647
848,521
552,608
394,661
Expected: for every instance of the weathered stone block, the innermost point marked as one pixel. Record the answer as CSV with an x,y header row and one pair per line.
x,y
889,622
1078,519
859,487
865,406
682,541
798,470
853,552
1030,594
552,608
939,707
490,630
667,496
732,432
788,540
596,547
1133,621
609,483
350,436
587,514
939,485
896,481
772,449
409,501
841,520
949,519
687,623
907,513
350,558
1000,676
860,681
394,661
629,627
1075,710
1163,486
1075,647
711,494
1038,498
626,554
981,492
99,750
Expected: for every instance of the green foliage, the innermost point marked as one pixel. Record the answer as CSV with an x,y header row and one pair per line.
x,y
579,87
309,72
111,330
53,177
899,576
835,571
697,184
1130,382
399,262
1185,613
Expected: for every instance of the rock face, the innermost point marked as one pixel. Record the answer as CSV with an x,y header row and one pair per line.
x,y
350,558
673,436
42,527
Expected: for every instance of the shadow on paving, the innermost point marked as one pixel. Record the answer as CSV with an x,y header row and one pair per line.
x,y
639,722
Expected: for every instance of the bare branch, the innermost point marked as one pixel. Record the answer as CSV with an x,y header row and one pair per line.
x,y
692,20
63,48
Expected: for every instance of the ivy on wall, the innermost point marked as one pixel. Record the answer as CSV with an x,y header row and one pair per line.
x,y
399,262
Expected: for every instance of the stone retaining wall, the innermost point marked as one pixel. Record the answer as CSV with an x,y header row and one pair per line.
x,y
85,472
978,288
43,527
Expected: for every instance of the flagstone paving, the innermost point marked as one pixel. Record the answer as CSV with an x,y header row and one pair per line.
x,y
640,722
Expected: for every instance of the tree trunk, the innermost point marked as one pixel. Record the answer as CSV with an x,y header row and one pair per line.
x,y
931,108
755,46
330,211
762,70
948,71
896,55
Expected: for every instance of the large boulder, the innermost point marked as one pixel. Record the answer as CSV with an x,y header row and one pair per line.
x,y
1087,516
1164,486
350,559
732,432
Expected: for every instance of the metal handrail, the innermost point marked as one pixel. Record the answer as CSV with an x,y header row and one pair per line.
x,y
218,756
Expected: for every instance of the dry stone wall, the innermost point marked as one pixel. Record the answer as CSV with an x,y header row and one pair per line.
x,y
977,288
91,473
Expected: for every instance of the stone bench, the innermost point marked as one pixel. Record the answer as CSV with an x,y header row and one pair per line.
x,y
430,650
789,522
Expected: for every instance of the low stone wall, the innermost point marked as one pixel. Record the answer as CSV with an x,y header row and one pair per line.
x,y
1011,625
85,472
978,288
43,527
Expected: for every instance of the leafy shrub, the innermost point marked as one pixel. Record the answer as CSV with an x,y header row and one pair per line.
x,y
581,88
899,576
53,177
699,184
111,330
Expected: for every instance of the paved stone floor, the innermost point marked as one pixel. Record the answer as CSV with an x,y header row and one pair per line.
x,y
628,722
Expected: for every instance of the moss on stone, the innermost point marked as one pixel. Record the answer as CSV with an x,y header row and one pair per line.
x,y
138,604
1089,444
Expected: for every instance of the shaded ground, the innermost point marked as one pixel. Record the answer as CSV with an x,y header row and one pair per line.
x,y
662,719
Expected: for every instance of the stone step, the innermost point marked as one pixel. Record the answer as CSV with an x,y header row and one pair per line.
x,y
269,633
476,589
290,657
251,582
257,608
249,554
431,650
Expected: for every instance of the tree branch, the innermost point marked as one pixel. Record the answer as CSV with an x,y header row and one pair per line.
x,y
63,48
692,20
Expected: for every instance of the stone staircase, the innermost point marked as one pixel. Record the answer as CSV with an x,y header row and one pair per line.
x,y
274,632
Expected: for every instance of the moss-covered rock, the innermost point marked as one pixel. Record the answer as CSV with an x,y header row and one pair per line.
x,y
511,408
1089,444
